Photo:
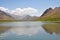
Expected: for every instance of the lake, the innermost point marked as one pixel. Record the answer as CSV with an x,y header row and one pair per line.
x,y
29,31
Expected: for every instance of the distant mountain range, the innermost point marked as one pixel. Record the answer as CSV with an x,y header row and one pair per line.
x,y
8,16
50,15
24,17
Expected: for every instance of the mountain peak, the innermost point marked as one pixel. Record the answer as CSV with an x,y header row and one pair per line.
x,y
46,11
51,14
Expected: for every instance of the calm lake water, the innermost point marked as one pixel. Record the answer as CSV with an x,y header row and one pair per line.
x,y
30,31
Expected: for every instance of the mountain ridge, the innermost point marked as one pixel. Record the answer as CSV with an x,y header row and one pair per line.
x,y
8,16
50,15
5,16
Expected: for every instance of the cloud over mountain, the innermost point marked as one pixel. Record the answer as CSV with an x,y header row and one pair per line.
x,y
4,9
22,11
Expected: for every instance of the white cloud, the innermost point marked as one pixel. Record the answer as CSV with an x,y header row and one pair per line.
x,y
22,11
4,9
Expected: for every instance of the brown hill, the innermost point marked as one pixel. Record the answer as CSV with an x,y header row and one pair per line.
x,y
5,16
51,15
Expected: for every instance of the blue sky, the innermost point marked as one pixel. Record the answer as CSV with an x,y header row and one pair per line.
x,y
41,5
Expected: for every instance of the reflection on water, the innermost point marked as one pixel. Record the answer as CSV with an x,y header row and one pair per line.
x,y
52,28
29,31
3,29
24,28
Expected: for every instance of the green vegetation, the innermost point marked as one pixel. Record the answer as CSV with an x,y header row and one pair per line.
x,y
9,20
54,27
12,20
51,15
54,17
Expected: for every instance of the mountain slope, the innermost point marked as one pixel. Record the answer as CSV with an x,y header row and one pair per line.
x,y
5,16
24,17
51,15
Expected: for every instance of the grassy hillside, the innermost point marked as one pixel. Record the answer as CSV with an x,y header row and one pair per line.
x,y
51,15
